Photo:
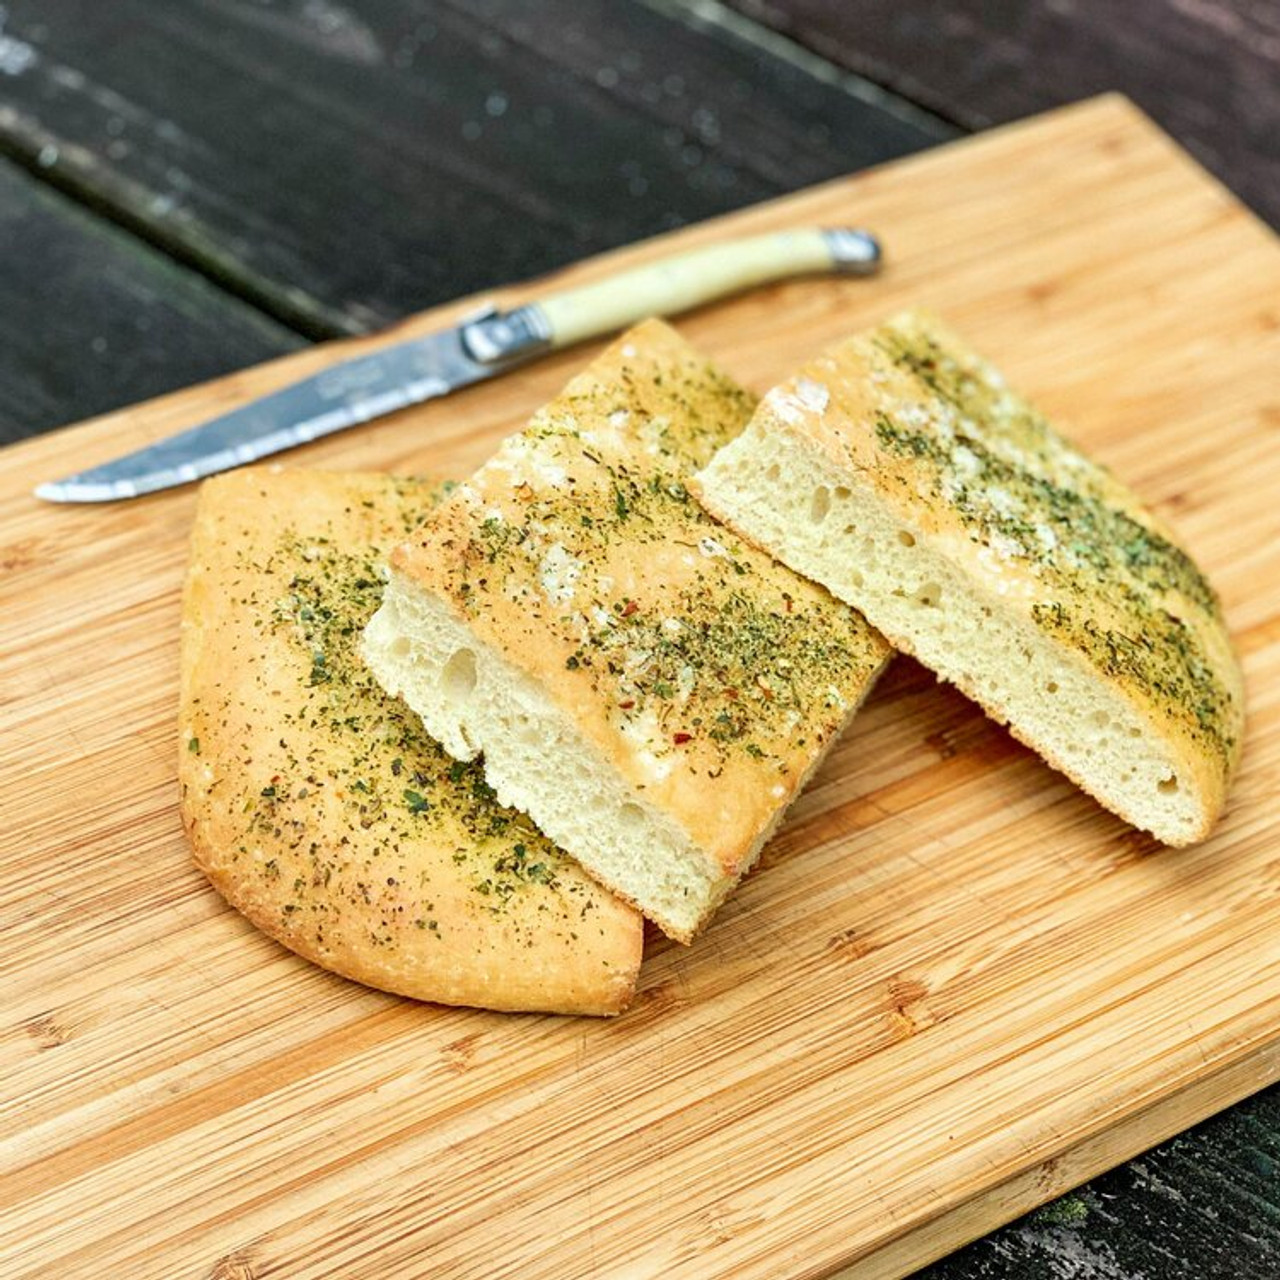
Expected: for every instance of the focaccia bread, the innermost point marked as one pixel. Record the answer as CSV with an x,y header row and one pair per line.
x,y
899,470
651,689
317,805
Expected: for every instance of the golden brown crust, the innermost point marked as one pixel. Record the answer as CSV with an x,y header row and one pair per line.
x,y
318,807
707,674
910,412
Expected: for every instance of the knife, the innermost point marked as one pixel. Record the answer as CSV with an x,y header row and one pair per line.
x,y
484,345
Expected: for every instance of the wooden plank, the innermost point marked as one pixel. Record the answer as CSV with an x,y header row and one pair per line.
x,y
1209,71
342,167
94,319
955,986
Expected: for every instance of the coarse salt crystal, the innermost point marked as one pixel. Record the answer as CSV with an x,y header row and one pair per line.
x,y
1007,548
552,474
559,573
813,395
789,409
1001,500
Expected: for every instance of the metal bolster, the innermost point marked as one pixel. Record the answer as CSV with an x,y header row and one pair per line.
x,y
495,337
853,252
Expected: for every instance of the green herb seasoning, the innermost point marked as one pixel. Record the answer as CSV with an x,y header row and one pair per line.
x,y
1022,491
697,645
353,746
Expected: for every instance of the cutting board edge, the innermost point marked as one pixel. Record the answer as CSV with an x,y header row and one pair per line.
x,y
1082,1155
1200,1098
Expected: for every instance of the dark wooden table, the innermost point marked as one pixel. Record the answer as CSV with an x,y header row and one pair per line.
x,y
190,186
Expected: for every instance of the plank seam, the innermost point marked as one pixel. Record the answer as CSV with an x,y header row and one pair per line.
x,y
720,21
36,151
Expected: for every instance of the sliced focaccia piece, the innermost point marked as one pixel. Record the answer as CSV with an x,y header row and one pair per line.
x,y
317,805
901,472
652,690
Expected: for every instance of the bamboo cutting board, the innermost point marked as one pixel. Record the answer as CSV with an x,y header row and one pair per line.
x,y
954,988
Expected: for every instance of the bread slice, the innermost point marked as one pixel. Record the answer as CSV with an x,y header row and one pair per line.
x,y
317,805
898,470
652,690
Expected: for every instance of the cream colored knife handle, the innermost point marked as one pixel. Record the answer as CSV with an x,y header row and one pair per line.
x,y
666,287
688,280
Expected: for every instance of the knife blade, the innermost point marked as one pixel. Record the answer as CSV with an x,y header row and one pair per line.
x,y
485,345
356,391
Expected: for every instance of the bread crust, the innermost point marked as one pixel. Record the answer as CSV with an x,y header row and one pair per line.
x,y
707,675
913,422
317,806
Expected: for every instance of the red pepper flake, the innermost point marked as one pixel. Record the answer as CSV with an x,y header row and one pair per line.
x,y
626,706
788,600
629,608
731,694
681,738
